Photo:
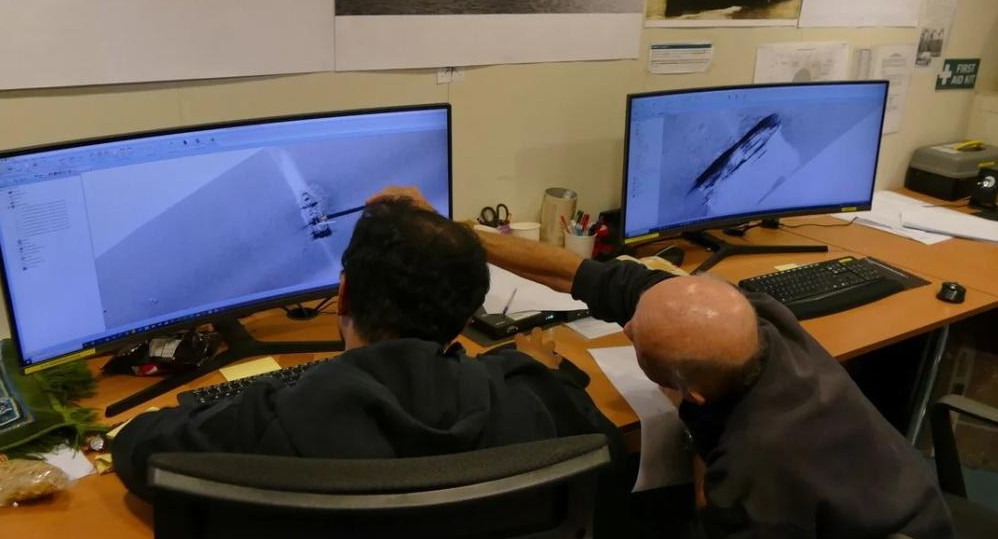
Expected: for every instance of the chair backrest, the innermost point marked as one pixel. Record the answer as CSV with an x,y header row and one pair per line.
x,y
536,489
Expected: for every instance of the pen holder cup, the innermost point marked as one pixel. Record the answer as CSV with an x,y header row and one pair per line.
x,y
580,245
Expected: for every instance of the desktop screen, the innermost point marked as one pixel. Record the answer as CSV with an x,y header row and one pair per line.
x,y
712,157
103,240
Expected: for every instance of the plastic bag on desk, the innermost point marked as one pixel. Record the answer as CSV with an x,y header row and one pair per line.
x,y
167,354
23,480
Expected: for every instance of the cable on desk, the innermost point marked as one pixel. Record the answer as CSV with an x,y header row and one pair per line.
x,y
823,225
958,204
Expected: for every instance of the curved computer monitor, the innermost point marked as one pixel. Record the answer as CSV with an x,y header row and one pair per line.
x,y
713,157
109,240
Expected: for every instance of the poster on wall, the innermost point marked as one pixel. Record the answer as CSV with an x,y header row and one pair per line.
x,y
387,34
859,13
802,62
46,43
937,18
702,13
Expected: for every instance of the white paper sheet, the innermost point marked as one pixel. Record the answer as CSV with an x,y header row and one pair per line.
x,y
592,328
888,207
664,458
61,43
689,57
404,41
947,221
936,22
530,296
71,461
894,63
802,62
828,13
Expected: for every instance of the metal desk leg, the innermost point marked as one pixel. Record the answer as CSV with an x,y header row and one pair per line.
x,y
928,372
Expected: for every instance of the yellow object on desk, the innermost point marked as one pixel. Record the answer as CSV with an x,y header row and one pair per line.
x,y
250,368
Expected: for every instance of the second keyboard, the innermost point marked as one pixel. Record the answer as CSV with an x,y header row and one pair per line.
x,y
825,287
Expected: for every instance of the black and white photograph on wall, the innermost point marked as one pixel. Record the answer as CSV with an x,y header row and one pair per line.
x,y
442,33
937,17
480,7
722,12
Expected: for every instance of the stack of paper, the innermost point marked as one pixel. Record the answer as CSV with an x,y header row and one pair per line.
x,y
664,458
888,208
951,222
526,295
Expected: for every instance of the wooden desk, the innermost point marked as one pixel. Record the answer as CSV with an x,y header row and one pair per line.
x,y
973,264
861,329
97,506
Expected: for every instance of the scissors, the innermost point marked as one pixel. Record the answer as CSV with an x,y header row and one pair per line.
x,y
494,217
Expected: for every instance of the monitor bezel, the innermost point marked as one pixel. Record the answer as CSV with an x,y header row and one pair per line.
x,y
730,220
236,311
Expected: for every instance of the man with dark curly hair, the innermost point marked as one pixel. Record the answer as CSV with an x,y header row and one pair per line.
x,y
411,281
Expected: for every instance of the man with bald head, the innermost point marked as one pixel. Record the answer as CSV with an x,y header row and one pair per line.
x,y
792,447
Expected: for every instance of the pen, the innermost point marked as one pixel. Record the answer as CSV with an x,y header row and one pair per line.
x,y
510,302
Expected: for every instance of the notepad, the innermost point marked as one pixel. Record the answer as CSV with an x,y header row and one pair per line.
x,y
250,368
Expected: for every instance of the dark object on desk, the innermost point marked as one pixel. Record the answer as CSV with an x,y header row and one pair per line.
x,y
178,352
536,489
210,394
826,287
950,171
985,192
240,345
500,326
952,292
971,520
673,254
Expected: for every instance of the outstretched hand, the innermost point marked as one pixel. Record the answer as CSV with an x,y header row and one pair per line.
x,y
537,347
398,192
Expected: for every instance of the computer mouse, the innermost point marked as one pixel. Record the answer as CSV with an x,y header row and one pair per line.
x,y
952,292
673,254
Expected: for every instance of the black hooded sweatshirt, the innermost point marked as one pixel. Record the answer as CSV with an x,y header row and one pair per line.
x,y
398,398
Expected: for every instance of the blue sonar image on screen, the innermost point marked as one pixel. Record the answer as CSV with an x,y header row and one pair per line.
x,y
710,157
114,237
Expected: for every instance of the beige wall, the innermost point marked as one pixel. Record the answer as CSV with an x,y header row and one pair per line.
x,y
518,128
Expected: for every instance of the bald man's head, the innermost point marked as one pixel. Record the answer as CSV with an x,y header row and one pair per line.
x,y
694,334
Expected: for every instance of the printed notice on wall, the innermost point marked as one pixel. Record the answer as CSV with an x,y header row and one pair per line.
x,y
666,58
802,62
895,64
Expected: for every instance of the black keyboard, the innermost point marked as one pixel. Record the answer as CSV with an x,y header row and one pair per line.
x,y
825,287
225,390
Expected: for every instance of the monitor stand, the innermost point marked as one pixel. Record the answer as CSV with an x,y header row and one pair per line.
x,y
723,249
240,345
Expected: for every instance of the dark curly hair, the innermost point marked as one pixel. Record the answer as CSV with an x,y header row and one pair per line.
x,y
412,273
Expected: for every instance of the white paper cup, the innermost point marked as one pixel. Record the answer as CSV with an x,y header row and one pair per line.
x,y
526,229
580,245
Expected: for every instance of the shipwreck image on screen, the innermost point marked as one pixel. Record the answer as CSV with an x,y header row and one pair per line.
x,y
713,155
245,222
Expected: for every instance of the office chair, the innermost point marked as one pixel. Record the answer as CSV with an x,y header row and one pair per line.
x,y
971,520
537,489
